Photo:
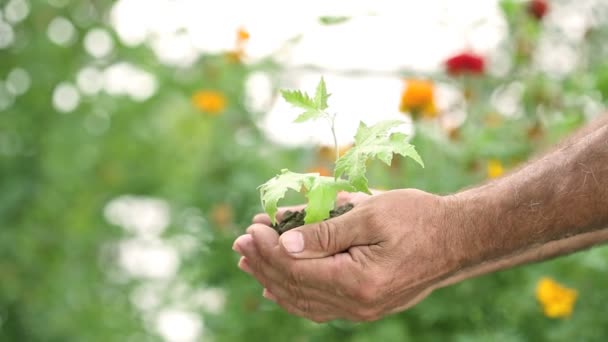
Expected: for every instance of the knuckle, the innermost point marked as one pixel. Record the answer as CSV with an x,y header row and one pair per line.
x,y
367,314
367,293
324,236
295,278
303,305
319,320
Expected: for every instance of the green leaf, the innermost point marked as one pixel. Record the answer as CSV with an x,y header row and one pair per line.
x,y
309,115
322,197
276,188
313,108
373,142
321,193
333,20
321,95
299,99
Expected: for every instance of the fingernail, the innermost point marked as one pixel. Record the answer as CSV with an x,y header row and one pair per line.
x,y
293,242
236,247
240,242
266,294
244,266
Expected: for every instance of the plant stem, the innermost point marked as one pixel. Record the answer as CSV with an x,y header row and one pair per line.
x,y
333,132
332,124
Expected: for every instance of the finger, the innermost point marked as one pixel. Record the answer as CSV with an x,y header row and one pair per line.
x,y
239,242
276,284
327,280
319,312
263,218
268,295
328,274
354,198
329,237
244,265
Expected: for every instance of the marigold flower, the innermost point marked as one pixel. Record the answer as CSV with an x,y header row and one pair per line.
x,y
536,131
465,63
492,119
495,169
322,171
418,97
538,8
210,101
237,55
222,215
329,153
242,35
557,300
234,56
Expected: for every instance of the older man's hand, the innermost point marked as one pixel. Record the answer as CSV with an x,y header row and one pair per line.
x,y
384,256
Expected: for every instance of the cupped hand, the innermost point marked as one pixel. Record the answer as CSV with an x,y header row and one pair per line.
x,y
385,255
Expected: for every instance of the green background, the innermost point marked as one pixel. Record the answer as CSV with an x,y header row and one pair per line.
x,y
60,271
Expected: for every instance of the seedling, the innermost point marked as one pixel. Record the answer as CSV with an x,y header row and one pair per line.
x,y
371,142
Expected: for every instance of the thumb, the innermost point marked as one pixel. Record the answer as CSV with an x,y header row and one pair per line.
x,y
325,238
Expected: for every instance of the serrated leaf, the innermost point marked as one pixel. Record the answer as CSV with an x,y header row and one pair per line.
x,y
276,188
333,20
309,115
313,107
322,197
299,99
321,95
373,142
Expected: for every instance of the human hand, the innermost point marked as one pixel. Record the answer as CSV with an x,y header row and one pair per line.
x,y
383,256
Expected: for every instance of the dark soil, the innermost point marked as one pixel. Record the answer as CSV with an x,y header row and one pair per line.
x,y
294,219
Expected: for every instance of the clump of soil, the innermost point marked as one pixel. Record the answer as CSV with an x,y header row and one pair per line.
x,y
294,219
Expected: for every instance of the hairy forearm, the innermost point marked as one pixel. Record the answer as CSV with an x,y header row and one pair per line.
x,y
539,253
555,198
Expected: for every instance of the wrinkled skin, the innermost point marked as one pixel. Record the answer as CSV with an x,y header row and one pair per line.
x,y
361,266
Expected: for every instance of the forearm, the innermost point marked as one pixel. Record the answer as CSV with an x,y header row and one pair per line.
x,y
561,195
536,254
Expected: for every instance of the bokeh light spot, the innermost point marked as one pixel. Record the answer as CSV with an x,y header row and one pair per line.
x,y
7,36
18,81
61,31
98,43
65,97
89,80
16,10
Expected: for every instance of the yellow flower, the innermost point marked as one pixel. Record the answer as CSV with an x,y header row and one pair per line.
x,y
210,101
557,300
419,98
495,169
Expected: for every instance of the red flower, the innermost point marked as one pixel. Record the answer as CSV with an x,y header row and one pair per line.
x,y
465,63
538,8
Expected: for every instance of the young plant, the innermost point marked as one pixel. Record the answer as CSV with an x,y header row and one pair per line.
x,y
371,142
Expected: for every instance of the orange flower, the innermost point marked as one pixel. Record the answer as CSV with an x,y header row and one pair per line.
x,y
493,119
419,97
210,101
557,300
242,35
322,171
329,153
222,215
236,55
495,169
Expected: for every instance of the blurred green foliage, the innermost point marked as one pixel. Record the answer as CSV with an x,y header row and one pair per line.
x,y
60,257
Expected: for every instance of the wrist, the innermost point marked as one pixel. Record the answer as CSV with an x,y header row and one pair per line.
x,y
470,222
